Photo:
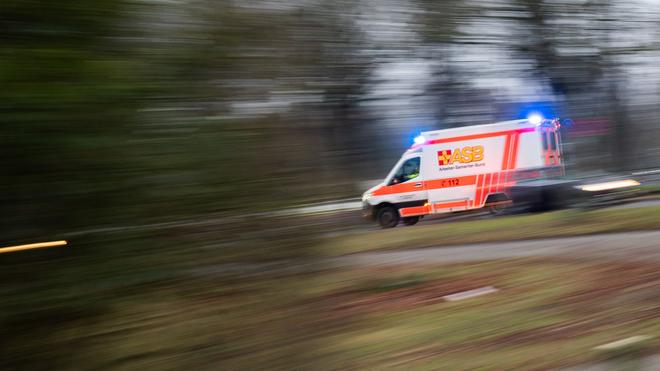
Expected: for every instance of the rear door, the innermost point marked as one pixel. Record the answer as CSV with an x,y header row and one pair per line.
x,y
551,147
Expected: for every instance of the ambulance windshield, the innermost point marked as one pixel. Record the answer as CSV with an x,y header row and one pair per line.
x,y
409,170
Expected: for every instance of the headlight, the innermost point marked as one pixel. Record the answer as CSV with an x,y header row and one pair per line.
x,y
366,197
609,185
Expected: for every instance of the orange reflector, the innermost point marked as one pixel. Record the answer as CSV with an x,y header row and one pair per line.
x,y
39,245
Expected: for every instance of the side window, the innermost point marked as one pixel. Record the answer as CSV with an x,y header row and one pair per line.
x,y
409,170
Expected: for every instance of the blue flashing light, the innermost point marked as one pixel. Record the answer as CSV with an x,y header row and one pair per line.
x,y
535,118
419,140
544,109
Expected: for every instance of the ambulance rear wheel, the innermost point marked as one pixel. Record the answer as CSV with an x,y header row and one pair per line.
x,y
412,220
497,210
388,217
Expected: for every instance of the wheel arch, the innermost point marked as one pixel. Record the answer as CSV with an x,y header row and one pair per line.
x,y
497,197
384,204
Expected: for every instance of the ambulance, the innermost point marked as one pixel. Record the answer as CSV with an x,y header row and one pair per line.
x,y
465,168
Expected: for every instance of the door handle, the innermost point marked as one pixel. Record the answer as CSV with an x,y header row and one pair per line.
x,y
417,185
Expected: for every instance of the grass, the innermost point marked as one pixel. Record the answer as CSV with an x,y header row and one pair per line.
x,y
541,318
554,224
74,312
134,300
650,188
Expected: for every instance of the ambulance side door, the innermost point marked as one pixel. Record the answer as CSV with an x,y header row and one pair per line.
x,y
405,184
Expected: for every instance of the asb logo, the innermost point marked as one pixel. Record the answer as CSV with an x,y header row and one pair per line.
x,y
463,155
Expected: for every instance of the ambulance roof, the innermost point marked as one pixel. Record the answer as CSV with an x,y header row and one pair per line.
x,y
475,129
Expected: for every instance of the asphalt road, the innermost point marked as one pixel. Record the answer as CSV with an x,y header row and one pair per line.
x,y
631,246
349,222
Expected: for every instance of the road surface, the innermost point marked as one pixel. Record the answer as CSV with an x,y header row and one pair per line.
x,y
630,246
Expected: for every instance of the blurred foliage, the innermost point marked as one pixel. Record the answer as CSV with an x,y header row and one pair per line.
x,y
68,98
123,112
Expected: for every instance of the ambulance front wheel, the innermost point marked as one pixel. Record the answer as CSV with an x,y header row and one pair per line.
x,y
388,217
412,220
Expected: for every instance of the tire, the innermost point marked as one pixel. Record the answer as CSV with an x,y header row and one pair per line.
x,y
388,217
412,220
497,210
498,204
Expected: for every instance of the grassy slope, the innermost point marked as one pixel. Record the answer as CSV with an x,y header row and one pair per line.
x,y
544,316
540,319
131,302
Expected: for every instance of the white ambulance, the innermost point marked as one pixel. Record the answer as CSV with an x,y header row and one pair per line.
x,y
465,168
